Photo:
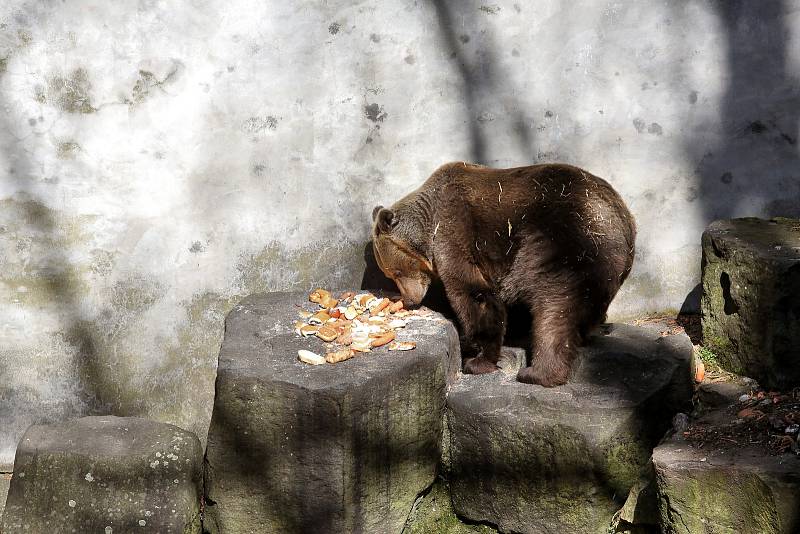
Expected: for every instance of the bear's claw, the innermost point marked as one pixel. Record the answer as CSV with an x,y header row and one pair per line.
x,y
529,376
479,366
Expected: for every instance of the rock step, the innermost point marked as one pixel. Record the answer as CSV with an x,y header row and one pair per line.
x,y
751,298
105,474
739,491
328,448
535,460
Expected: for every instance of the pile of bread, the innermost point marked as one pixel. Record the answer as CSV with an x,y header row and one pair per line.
x,y
353,324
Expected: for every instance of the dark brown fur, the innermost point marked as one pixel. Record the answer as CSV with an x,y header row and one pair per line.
x,y
554,237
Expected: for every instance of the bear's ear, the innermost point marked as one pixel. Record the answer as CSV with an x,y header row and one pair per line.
x,y
375,211
384,218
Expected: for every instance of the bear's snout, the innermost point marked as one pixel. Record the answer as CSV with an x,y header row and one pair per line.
x,y
412,290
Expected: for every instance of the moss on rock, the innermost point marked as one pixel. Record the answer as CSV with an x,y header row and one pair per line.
x,y
751,286
433,513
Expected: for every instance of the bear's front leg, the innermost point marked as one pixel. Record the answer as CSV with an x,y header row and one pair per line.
x,y
483,318
480,311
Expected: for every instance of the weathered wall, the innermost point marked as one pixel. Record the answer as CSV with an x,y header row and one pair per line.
x,y
161,159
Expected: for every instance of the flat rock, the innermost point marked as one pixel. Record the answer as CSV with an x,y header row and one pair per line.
x,y
751,298
329,448
105,474
723,393
536,460
741,491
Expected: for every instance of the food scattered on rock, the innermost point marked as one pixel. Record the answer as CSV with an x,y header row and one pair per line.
x,y
353,324
339,355
327,334
306,356
699,370
382,339
402,345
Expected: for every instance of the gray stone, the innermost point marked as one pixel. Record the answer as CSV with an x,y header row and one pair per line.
x,y
641,507
512,359
105,474
433,514
5,481
680,422
726,492
751,298
329,448
716,394
537,460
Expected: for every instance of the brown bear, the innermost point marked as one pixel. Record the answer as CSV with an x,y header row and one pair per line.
x,y
552,237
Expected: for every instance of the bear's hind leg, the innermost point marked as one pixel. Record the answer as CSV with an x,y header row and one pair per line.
x,y
555,336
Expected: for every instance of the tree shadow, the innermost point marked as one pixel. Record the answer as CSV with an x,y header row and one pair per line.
x,y
753,167
479,79
59,281
745,156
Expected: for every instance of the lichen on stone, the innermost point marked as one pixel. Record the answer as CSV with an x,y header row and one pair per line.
x,y
274,267
67,149
147,82
71,93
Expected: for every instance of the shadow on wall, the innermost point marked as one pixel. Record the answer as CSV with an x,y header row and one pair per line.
x,y
479,79
753,169
756,159
56,276
60,282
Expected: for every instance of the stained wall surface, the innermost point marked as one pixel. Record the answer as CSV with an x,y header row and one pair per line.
x,y
159,160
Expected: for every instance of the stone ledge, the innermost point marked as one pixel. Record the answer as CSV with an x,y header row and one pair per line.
x,y
536,460
329,448
727,492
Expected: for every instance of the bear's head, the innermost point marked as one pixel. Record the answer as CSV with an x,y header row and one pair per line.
x,y
399,248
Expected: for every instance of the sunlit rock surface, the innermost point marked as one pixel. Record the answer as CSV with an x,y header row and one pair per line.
x,y
330,448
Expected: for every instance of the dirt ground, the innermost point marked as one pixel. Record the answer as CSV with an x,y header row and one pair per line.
x,y
766,420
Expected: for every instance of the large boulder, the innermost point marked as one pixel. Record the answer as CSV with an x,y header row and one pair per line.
x,y
734,491
329,448
536,460
751,298
106,474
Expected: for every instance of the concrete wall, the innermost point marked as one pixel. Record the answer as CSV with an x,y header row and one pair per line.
x,y
161,159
